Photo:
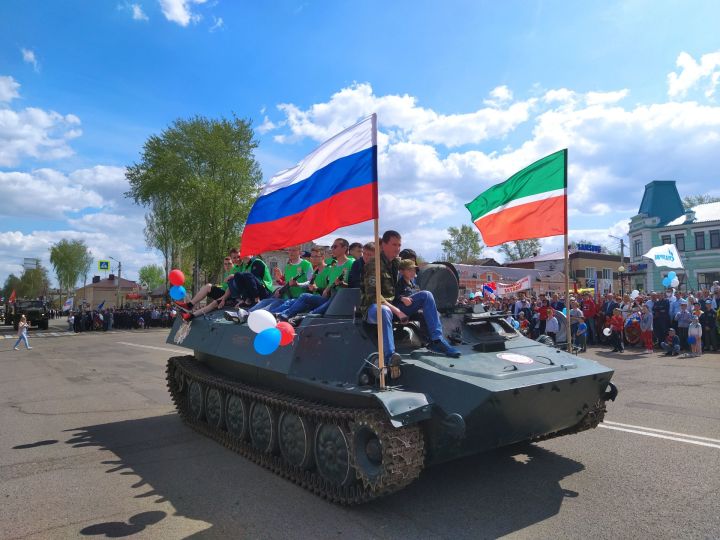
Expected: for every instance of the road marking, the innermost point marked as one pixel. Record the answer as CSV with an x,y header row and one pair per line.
x,y
659,436
147,346
663,431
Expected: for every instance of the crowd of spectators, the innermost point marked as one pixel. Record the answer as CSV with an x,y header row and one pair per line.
x,y
120,319
671,320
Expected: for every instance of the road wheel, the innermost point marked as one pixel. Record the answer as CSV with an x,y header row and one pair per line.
x,y
214,408
196,403
236,416
332,454
295,440
263,428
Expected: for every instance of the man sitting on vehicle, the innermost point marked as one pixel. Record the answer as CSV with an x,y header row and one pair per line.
x,y
387,257
355,278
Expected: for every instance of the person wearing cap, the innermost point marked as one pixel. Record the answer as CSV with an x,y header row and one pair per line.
x,y
406,285
695,336
683,318
708,321
671,344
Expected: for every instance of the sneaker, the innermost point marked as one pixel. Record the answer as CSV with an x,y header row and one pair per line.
x,y
16,348
184,306
443,347
187,316
29,348
393,364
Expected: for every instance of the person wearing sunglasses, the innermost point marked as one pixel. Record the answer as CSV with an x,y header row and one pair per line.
x,y
216,293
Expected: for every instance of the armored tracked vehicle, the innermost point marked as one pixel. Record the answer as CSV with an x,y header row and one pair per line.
x,y
313,411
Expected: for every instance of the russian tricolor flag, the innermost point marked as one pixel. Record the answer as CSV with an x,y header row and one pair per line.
x,y
334,186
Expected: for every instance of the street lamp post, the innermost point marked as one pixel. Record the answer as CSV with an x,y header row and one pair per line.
x,y
119,273
621,270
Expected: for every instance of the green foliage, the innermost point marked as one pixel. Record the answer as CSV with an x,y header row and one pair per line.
x,y
151,276
12,283
70,260
520,249
693,200
34,283
199,179
463,246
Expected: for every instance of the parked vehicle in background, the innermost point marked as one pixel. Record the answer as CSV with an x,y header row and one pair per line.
x,y
35,311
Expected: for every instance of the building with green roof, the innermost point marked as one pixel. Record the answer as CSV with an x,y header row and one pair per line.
x,y
662,219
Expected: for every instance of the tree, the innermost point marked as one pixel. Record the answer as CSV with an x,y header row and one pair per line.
x,y
520,249
151,276
693,200
33,283
199,179
12,283
70,260
463,246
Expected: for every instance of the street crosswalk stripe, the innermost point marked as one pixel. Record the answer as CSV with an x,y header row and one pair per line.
x,y
643,428
659,436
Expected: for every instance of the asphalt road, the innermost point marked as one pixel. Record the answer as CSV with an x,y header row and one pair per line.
x,y
90,446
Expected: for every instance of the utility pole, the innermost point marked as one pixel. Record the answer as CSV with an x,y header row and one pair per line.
x,y
621,268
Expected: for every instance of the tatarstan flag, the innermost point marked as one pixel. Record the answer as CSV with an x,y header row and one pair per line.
x,y
531,203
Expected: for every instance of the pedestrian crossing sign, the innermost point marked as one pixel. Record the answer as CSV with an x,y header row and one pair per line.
x,y
103,266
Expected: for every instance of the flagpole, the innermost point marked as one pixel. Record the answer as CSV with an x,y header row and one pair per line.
x,y
568,333
378,261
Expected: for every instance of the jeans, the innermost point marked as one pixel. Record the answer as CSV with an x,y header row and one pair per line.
x,y
305,302
268,304
420,300
22,337
666,347
592,335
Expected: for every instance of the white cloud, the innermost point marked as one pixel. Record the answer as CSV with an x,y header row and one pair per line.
x,y
8,89
180,11
692,73
605,98
137,13
32,194
36,133
29,57
400,117
218,23
498,95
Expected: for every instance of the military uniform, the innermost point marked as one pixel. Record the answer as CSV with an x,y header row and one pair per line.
x,y
389,271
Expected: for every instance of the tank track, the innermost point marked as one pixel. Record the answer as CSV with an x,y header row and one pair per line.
x,y
403,452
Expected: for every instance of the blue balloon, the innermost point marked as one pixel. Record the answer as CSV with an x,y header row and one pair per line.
x,y
666,282
671,275
471,295
564,311
177,292
267,341
516,324
691,340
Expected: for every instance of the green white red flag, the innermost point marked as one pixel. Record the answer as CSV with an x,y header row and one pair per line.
x,y
531,203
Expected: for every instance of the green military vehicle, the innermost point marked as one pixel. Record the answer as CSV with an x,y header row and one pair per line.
x,y
35,312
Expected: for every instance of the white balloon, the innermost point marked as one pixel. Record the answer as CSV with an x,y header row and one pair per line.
x,y
607,332
634,294
261,320
675,282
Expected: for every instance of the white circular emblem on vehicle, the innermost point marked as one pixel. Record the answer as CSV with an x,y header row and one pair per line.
x,y
515,358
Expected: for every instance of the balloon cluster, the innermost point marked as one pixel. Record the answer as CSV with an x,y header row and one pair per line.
x,y
270,334
177,279
671,280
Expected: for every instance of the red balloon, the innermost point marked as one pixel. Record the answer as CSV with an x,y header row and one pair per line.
x,y
176,277
287,333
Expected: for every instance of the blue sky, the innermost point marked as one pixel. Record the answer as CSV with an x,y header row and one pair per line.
x,y
466,92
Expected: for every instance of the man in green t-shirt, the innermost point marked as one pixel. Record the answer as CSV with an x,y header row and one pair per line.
x,y
337,276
